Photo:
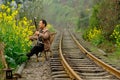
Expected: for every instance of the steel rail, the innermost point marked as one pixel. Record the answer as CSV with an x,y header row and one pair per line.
x,y
69,70
107,67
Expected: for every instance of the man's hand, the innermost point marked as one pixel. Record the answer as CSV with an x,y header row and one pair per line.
x,y
35,36
37,33
32,38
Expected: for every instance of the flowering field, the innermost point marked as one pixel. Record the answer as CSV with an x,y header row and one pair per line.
x,y
15,34
116,35
94,35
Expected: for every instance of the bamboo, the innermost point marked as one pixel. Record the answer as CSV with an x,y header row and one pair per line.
x,y
3,60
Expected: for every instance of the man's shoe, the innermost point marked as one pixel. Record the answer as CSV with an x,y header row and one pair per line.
x,y
28,57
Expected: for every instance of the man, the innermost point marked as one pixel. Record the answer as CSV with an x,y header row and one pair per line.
x,y
43,39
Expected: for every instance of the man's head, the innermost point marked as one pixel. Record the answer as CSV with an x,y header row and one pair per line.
x,y
42,23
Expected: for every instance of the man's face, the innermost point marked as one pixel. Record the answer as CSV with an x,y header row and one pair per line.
x,y
41,25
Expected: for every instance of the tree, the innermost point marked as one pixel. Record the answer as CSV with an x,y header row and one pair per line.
x,y
31,9
108,16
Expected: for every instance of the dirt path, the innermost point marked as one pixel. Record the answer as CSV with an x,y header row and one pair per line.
x,y
36,70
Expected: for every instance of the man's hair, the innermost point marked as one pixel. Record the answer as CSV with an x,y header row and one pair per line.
x,y
44,22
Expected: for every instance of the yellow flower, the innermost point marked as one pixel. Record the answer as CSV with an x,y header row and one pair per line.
x,y
0,15
24,49
9,18
8,10
30,32
30,21
24,22
19,5
22,45
24,18
4,15
3,6
16,12
8,3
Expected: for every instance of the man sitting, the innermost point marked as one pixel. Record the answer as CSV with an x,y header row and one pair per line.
x,y
43,39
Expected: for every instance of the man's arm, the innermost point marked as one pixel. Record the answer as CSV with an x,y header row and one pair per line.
x,y
45,35
35,36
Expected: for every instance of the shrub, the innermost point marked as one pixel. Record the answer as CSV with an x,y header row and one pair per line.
x,y
94,35
15,34
115,36
50,27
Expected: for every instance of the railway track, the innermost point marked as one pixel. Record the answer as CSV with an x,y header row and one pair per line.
x,y
57,70
81,64
69,62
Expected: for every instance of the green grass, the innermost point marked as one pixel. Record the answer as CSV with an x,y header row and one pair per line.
x,y
113,53
115,57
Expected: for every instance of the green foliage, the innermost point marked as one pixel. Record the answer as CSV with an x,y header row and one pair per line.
x,y
101,19
15,35
84,13
115,56
22,58
107,46
11,61
97,40
59,13
85,33
117,53
115,36
94,35
94,21
31,9
1,65
51,28
108,16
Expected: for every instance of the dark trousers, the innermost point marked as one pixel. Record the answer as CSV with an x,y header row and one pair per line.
x,y
35,50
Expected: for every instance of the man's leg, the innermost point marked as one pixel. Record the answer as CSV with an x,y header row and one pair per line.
x,y
35,50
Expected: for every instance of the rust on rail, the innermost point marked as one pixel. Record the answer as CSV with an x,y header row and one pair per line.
x,y
107,67
73,75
